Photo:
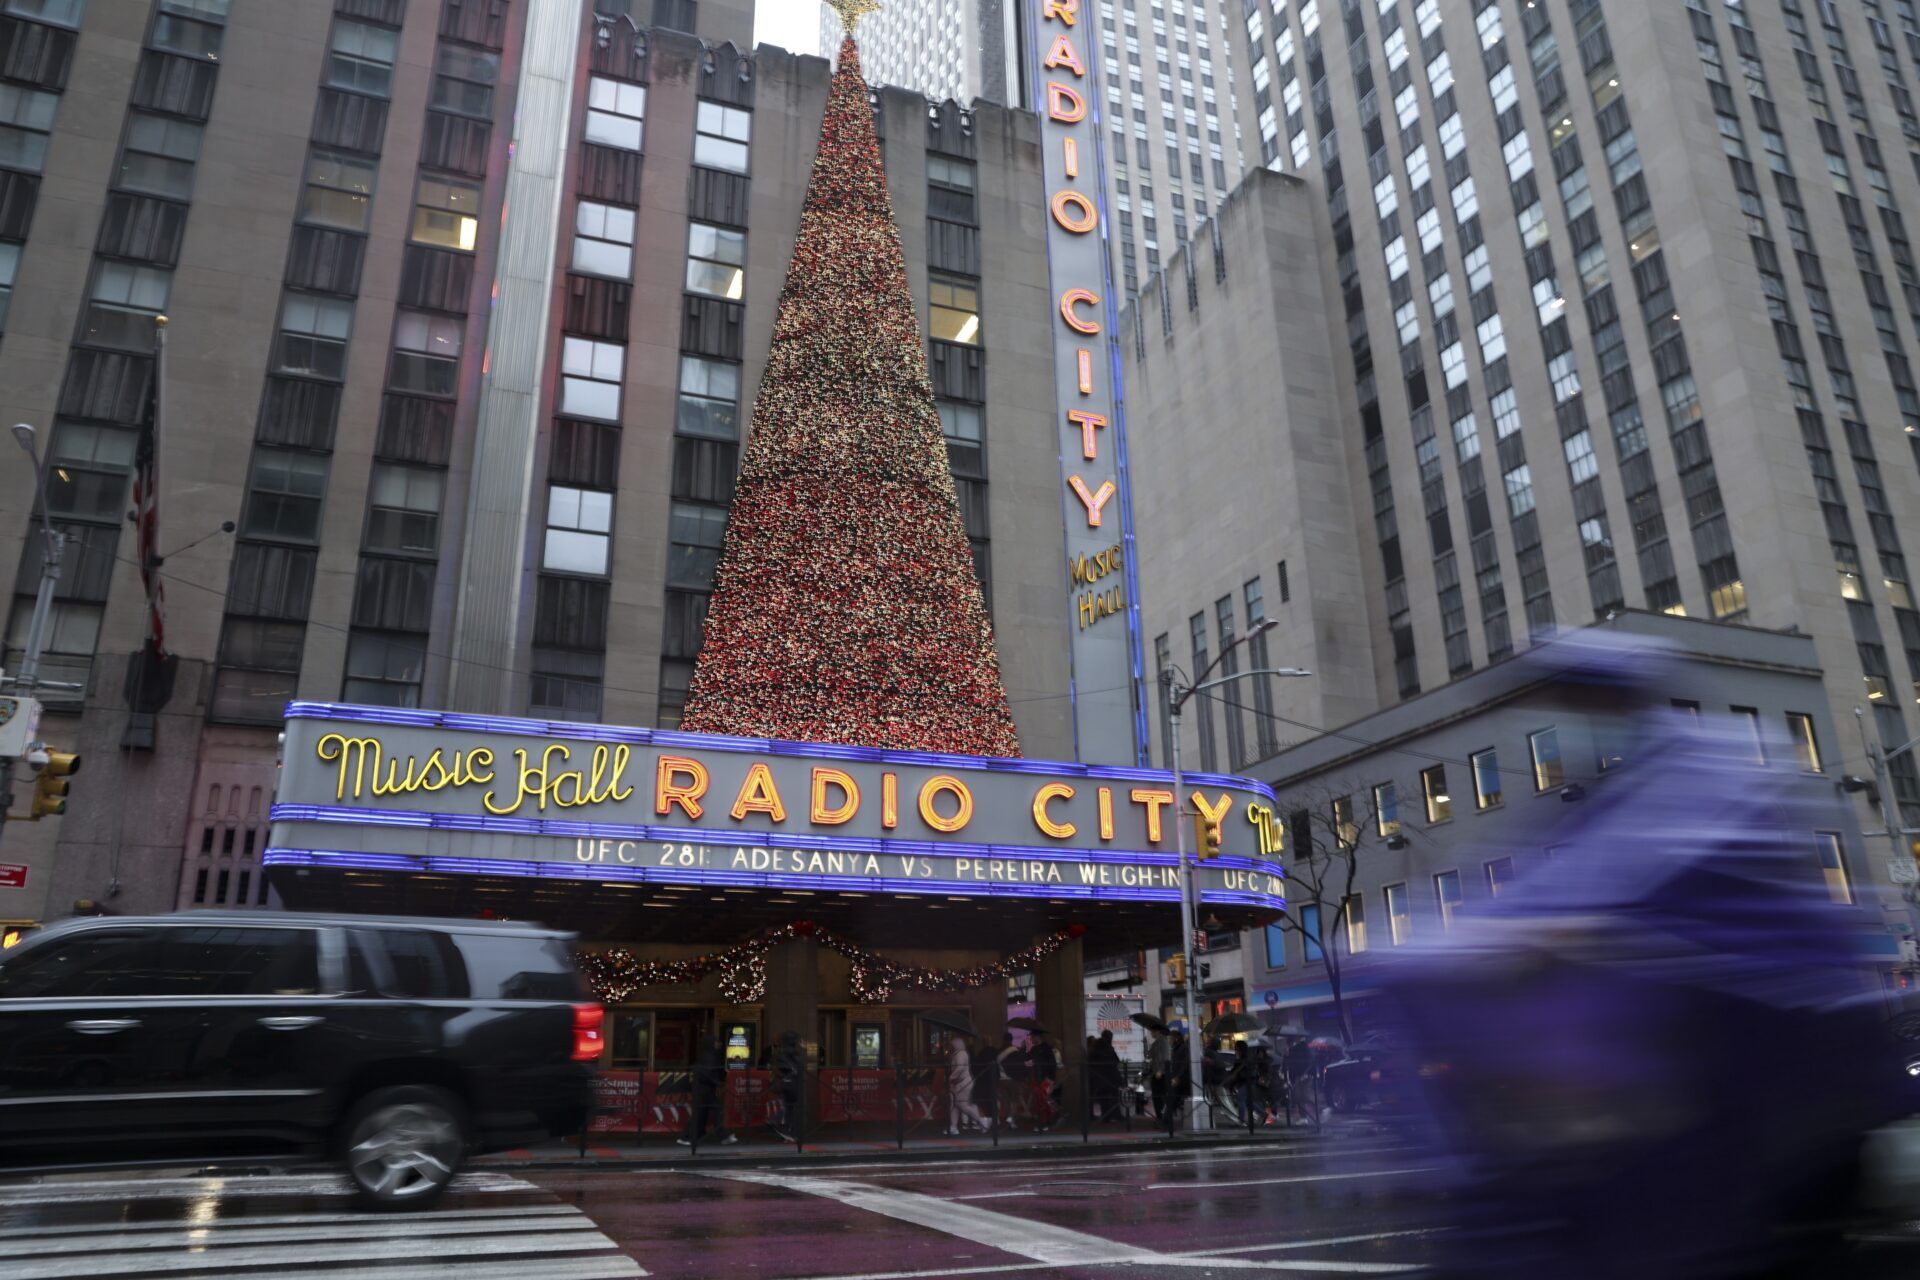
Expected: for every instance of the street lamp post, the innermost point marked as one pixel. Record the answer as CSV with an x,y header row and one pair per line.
x,y
1177,697
52,548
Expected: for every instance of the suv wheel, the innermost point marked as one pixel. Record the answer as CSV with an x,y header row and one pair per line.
x,y
404,1145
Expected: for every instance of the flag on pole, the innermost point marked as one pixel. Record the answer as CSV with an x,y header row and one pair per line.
x,y
146,497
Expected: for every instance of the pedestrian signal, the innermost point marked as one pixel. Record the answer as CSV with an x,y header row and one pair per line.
x,y
50,788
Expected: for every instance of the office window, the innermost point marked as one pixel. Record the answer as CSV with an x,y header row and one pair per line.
x,y
9,267
1346,832
1688,705
565,684
1486,778
579,529
339,191
950,188
1386,809
26,116
590,378
616,112
716,261
126,298
1749,718
709,404
1310,933
603,240
1833,865
158,157
283,497
182,35
1356,921
954,310
426,353
1433,784
384,671
88,476
447,214
721,135
1399,914
696,533
1499,875
59,13
362,58
1806,747
403,509
463,80
1446,888
1276,939
313,336
1548,771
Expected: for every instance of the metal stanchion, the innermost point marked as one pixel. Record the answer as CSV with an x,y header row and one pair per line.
x,y
994,1130
798,1123
1086,1100
899,1107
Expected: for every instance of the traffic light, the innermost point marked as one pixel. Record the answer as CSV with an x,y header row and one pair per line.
x,y
1176,975
1207,845
50,788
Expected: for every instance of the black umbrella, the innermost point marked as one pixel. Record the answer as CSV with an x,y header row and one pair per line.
x,y
1228,1024
950,1019
1148,1021
1024,1023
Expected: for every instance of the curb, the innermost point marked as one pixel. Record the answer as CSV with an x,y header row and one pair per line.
x,y
725,1157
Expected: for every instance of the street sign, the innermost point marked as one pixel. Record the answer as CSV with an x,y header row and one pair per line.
x,y
13,875
1903,871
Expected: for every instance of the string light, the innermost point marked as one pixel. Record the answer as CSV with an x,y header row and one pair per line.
x,y
846,607
617,973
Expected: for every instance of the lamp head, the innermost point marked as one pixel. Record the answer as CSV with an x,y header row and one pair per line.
x,y
24,433
1262,627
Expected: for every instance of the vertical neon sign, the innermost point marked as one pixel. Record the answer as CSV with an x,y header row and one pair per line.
x,y
1109,709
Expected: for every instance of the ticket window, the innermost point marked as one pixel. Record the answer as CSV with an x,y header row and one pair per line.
x,y
869,1044
741,1043
632,1040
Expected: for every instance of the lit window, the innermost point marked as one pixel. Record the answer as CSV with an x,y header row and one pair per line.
x,y
616,112
721,137
284,495
954,310
716,262
1548,772
1386,809
158,157
1486,778
1399,914
362,58
339,191
590,378
1833,865
579,528
603,240
1346,832
1356,922
426,353
403,509
709,403
1728,599
447,214
1446,888
1499,875
126,298
313,336
1806,747
463,80
1433,785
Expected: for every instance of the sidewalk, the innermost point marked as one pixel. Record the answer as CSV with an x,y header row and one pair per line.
x,y
659,1152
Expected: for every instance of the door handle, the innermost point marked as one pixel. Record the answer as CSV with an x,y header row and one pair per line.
x,y
102,1026
296,1023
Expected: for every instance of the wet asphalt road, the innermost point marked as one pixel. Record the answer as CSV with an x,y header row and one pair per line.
x,y
1348,1207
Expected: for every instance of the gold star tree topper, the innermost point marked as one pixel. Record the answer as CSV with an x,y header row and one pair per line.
x,y
851,11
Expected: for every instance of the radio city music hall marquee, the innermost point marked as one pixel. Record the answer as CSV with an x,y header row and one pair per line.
x,y
366,788
1109,714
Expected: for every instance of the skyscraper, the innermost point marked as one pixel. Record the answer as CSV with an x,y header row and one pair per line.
x,y
466,302
958,49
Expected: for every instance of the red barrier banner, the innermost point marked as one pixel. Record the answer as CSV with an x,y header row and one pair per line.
x,y
617,1096
856,1095
666,1102
750,1100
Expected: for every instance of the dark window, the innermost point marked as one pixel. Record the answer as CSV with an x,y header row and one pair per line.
x,y
242,961
463,80
116,963
510,968
425,965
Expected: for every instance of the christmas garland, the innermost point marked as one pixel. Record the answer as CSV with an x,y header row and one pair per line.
x,y
618,973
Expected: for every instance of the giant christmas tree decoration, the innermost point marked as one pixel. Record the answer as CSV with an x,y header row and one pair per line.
x,y
846,607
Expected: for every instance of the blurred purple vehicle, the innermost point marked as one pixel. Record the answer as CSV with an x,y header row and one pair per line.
x,y
1657,1054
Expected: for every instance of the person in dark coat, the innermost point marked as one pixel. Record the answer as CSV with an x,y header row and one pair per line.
x,y
1044,1081
709,1085
1103,1073
789,1075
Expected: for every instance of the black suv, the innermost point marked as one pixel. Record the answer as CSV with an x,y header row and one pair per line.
x,y
395,1046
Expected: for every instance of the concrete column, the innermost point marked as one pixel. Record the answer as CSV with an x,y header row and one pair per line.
x,y
1060,1003
793,994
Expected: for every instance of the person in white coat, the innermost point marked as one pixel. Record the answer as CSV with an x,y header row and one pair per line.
x,y
960,1089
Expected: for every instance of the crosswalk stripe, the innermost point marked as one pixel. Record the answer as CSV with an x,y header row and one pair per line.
x,y
314,1184
519,1211
283,1257
235,1231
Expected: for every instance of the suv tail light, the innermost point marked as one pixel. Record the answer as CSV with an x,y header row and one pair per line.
x,y
587,1019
